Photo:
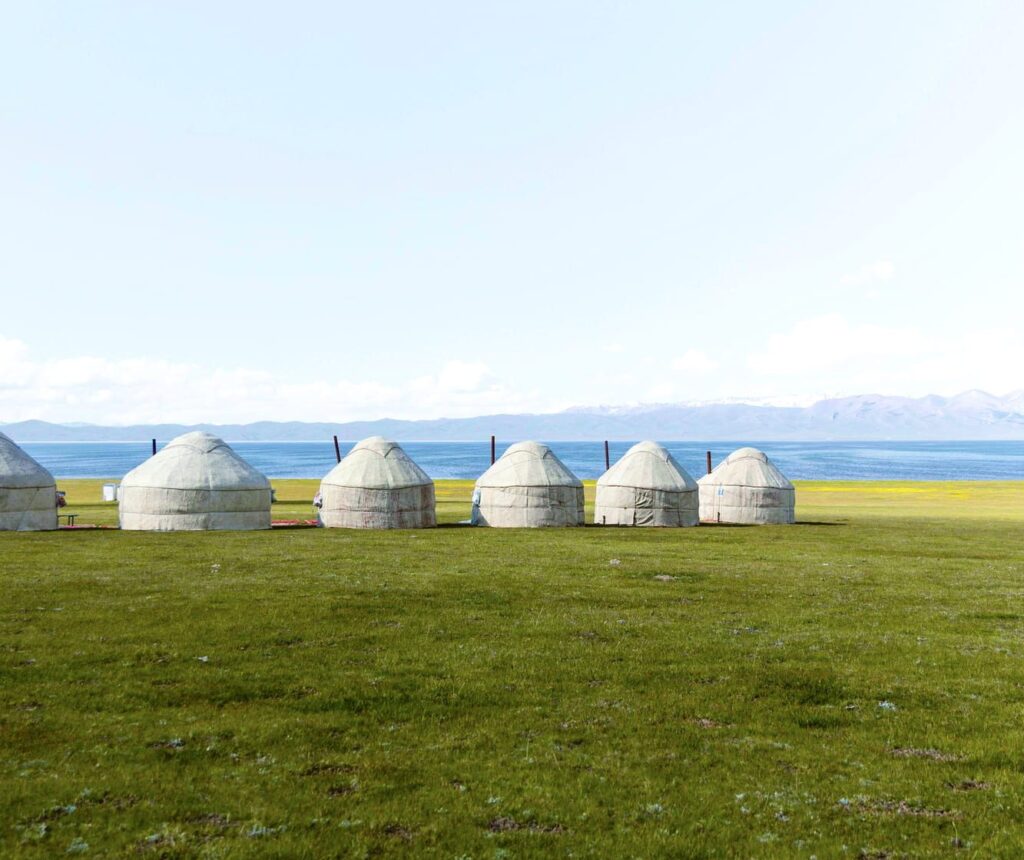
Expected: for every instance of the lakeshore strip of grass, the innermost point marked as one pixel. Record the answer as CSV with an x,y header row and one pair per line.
x,y
851,685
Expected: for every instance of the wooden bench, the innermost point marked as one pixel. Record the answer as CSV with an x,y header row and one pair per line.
x,y
69,517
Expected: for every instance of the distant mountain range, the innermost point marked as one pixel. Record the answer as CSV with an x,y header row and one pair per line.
x,y
971,415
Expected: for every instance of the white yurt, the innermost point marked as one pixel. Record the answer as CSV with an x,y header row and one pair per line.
x,y
377,486
528,487
196,483
28,494
647,487
747,487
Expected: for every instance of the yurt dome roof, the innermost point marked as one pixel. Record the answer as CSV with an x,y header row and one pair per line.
x,y
197,460
648,465
18,470
528,464
377,464
747,467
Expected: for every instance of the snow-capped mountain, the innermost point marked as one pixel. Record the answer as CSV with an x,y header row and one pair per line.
x,y
970,415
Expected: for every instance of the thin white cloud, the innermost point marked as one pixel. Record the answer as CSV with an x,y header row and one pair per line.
x,y
463,376
830,341
144,390
694,361
660,392
826,354
831,353
880,270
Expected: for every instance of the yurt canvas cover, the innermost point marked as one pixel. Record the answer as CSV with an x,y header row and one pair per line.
x,y
528,487
28,495
746,487
195,483
647,487
377,486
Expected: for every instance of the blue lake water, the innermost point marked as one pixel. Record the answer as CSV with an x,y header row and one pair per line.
x,y
802,460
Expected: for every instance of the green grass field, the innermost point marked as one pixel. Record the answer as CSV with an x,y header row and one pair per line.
x,y
850,686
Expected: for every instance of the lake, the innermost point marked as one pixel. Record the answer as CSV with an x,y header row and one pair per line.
x,y
924,461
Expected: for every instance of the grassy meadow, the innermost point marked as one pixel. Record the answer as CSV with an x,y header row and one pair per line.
x,y
852,686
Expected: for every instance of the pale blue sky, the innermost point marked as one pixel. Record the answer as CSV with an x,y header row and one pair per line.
x,y
231,211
